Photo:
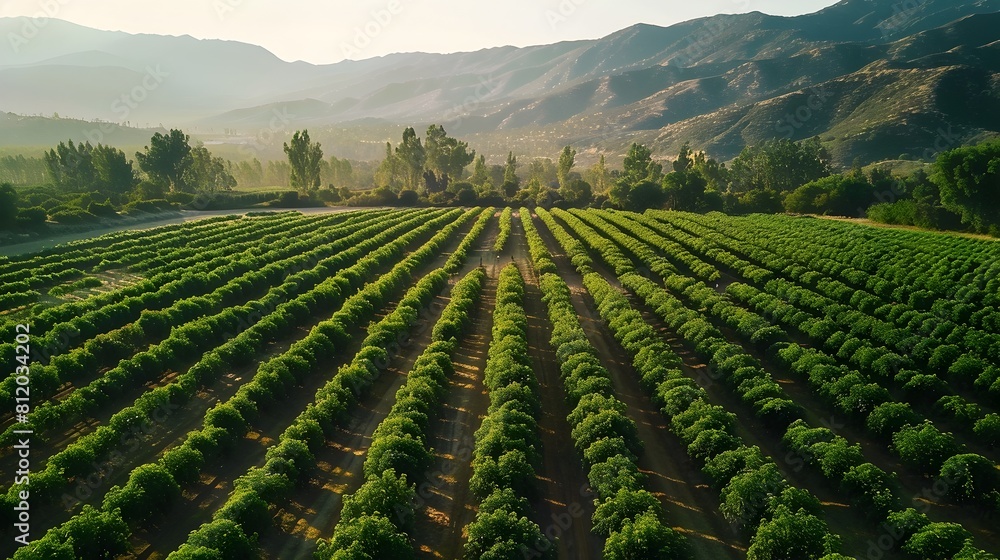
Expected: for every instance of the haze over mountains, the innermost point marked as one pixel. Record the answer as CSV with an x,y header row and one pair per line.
x,y
875,79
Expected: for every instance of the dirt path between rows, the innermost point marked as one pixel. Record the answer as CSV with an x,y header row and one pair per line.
x,y
691,506
445,506
314,509
917,490
566,506
855,531
157,540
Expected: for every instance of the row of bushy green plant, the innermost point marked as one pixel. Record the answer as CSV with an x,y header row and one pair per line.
x,y
782,522
504,233
507,448
377,518
868,486
628,516
143,497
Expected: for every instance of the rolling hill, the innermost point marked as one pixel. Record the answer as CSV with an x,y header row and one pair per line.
x,y
875,79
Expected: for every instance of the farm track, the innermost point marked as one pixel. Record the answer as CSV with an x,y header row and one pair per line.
x,y
566,505
314,509
156,541
916,489
444,502
855,531
47,447
563,505
689,503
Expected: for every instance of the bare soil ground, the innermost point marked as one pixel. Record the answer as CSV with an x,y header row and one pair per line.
x,y
690,504
445,506
856,532
916,490
158,540
566,505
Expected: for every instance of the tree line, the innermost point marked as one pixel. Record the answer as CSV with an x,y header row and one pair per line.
x,y
773,177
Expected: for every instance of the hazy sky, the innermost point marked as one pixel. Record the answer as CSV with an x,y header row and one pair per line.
x,y
323,31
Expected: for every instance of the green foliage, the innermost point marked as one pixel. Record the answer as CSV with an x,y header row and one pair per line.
x,y
567,159
970,477
225,536
113,171
150,491
71,166
503,535
29,218
384,494
166,159
967,179
639,167
248,510
838,195
870,489
208,174
403,454
909,212
412,156
790,536
779,166
69,215
8,205
936,541
446,156
612,513
577,192
645,537
888,418
745,498
304,157
924,447
88,534
504,232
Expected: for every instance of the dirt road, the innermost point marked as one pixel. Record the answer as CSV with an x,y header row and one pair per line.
x,y
566,506
314,509
690,505
445,505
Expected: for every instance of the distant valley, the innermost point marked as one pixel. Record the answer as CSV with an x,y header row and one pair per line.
x,y
874,79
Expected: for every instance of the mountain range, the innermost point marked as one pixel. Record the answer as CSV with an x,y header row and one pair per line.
x,y
874,79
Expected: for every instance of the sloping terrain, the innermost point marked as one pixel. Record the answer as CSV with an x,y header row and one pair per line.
x,y
874,78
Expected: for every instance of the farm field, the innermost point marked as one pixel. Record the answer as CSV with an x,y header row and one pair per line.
x,y
502,383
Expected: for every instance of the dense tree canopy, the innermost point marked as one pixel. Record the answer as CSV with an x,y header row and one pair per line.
x,y
167,158
304,157
969,183
779,166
